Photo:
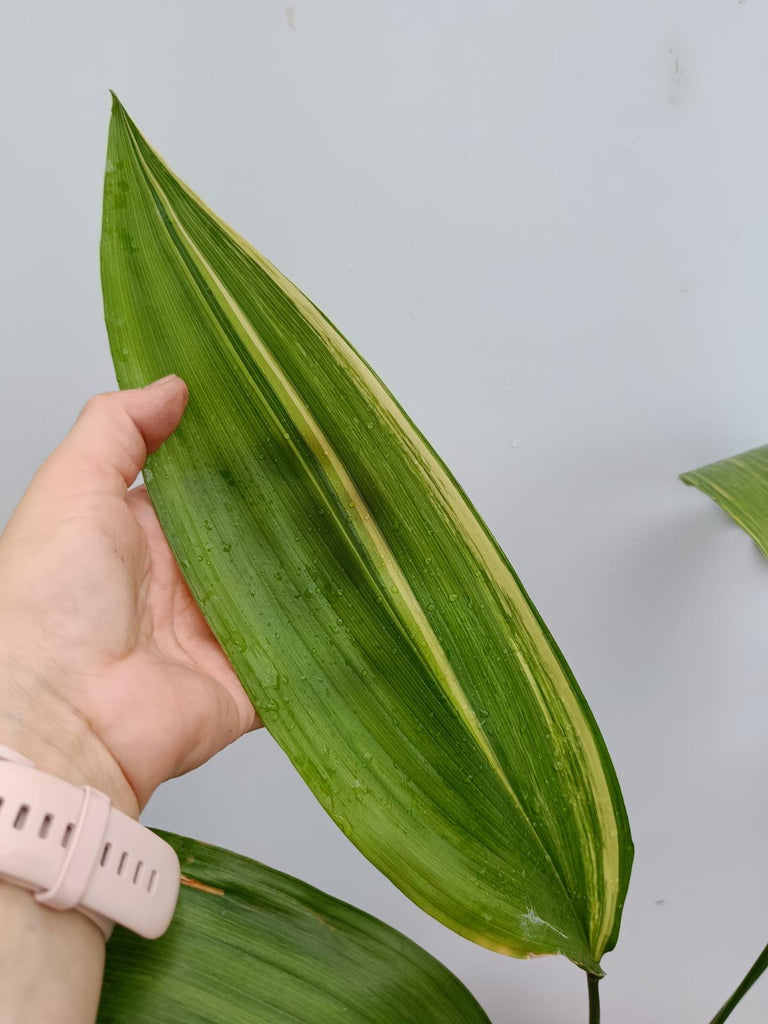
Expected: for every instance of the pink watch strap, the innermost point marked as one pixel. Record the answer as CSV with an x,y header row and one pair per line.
x,y
74,850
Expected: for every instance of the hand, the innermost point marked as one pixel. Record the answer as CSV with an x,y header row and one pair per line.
x,y
108,672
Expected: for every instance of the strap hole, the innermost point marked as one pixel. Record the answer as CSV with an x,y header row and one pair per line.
x,y
45,826
105,854
67,835
137,872
123,862
21,816
152,885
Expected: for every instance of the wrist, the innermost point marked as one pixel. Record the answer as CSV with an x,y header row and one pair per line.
x,y
39,723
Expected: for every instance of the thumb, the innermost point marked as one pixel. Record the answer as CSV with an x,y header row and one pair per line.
x,y
109,443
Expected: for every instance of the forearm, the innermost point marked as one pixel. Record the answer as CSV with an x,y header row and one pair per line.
x,y
51,961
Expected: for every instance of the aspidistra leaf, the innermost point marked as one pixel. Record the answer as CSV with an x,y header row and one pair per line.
x,y
740,486
249,943
374,621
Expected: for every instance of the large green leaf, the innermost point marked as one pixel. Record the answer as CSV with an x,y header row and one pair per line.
x,y
740,486
374,621
250,944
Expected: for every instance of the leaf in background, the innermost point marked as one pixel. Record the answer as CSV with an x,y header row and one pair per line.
x,y
249,943
740,486
374,621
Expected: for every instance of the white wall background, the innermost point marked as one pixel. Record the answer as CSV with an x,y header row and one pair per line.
x,y
545,225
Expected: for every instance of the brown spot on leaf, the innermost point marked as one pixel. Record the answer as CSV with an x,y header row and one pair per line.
x,y
193,883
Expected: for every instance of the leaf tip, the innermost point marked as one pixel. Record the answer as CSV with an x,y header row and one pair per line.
x,y
118,110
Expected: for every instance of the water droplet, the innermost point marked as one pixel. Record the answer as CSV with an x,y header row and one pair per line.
x,y
239,642
453,597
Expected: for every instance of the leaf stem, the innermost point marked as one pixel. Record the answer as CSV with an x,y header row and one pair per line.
x,y
593,981
750,978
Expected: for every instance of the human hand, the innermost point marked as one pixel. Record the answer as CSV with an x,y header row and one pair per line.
x,y
109,675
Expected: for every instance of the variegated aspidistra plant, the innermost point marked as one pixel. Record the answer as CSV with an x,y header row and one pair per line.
x,y
378,628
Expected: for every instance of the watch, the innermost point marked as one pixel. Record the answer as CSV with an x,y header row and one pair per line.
x,y
74,850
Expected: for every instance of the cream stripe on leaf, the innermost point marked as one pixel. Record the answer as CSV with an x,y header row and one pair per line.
x,y
376,625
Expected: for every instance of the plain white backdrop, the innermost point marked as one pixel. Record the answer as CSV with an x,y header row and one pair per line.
x,y
544,224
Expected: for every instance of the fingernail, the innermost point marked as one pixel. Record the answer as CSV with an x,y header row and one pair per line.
x,y
161,381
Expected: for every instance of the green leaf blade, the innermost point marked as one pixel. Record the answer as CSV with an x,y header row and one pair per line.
x,y
252,944
377,626
739,485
